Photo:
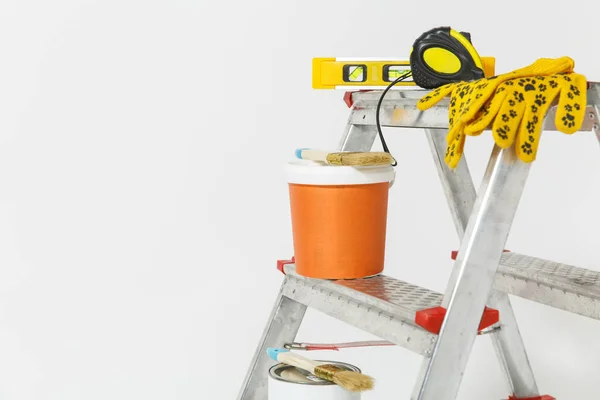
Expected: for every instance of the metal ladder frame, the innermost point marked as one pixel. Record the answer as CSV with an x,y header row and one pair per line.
x,y
482,219
469,289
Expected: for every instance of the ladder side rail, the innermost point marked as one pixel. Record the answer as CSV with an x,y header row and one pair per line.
x,y
474,272
357,137
596,125
282,327
461,196
593,100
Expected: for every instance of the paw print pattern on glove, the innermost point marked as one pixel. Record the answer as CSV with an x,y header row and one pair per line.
x,y
518,115
540,99
526,148
568,120
474,105
525,128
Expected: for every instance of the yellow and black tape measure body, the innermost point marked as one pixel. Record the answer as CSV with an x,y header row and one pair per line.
x,y
443,55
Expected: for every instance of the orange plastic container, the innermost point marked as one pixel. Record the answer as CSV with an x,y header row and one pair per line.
x,y
339,219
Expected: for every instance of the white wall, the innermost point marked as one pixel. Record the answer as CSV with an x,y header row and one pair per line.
x,y
143,205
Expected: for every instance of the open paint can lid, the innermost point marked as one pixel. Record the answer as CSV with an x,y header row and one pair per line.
x,y
290,383
291,374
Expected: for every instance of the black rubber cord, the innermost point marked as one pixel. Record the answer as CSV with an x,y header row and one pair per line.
x,y
383,144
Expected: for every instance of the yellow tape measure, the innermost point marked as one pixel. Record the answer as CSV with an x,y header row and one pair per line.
x,y
443,55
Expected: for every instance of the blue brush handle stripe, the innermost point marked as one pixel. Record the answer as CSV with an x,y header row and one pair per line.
x,y
299,152
273,352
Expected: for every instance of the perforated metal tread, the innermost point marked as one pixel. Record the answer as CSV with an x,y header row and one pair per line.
x,y
555,284
411,297
380,305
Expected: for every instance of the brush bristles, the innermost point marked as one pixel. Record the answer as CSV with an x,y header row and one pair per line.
x,y
353,381
349,380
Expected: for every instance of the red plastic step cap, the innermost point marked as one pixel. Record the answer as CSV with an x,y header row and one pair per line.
x,y
348,96
282,263
431,319
348,99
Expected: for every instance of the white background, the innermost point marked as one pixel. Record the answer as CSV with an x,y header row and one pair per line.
x,y
143,204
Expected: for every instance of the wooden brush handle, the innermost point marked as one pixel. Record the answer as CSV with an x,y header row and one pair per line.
x,y
297,361
311,154
347,158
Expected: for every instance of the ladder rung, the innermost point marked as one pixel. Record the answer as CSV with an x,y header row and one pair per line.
x,y
405,314
399,109
551,283
383,306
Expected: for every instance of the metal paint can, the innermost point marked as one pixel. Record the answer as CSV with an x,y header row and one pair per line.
x,y
290,383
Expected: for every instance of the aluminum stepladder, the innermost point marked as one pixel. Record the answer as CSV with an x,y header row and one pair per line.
x,y
442,327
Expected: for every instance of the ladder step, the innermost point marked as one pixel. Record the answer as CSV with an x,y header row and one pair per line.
x,y
399,109
562,286
405,314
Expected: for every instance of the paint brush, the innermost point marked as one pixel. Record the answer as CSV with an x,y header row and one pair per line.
x,y
349,380
346,158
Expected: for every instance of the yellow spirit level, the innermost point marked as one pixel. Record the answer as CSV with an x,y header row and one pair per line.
x,y
333,73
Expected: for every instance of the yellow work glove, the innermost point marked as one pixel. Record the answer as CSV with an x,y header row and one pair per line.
x,y
468,98
519,106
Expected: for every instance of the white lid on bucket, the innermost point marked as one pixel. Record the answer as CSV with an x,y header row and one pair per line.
x,y
306,172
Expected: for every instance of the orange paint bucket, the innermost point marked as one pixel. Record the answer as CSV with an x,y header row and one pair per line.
x,y
339,218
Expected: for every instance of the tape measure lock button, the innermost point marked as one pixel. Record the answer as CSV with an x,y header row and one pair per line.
x,y
441,60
